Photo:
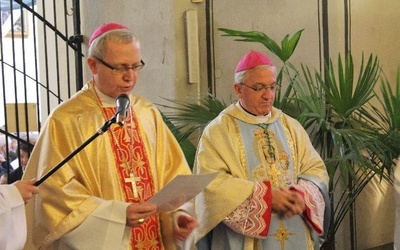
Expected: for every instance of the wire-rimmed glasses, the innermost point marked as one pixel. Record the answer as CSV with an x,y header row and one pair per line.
x,y
123,69
261,87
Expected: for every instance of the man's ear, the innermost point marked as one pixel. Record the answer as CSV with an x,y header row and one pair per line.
x,y
92,63
238,89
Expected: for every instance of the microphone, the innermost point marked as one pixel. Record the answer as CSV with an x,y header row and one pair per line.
x,y
122,103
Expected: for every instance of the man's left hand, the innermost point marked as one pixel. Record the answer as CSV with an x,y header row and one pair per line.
x,y
184,226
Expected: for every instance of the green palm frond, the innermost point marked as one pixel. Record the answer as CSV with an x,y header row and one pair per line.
x,y
309,96
345,95
188,119
191,118
391,101
347,135
188,148
333,110
389,118
288,44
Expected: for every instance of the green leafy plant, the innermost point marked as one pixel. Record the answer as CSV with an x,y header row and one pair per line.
x,y
188,148
388,119
191,118
187,120
335,111
284,52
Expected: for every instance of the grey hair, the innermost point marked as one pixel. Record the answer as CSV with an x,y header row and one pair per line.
x,y
97,48
239,76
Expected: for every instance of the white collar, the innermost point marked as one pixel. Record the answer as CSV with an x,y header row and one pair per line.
x,y
259,119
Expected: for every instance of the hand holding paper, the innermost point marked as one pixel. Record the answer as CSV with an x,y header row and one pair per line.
x,y
180,190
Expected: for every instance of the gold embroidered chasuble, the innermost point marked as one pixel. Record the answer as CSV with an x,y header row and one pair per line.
x,y
229,155
95,175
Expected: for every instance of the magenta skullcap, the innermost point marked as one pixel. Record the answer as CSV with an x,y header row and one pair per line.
x,y
105,28
251,60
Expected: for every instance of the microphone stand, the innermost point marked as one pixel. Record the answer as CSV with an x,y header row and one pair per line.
x,y
100,131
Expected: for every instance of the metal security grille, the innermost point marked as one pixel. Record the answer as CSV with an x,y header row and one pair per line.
x,y
40,65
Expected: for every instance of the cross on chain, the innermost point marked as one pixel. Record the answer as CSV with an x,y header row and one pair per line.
x,y
132,179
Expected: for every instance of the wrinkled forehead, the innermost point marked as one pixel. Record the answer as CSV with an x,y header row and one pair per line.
x,y
266,70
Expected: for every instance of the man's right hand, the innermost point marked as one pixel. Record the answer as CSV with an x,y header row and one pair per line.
x,y
136,214
287,202
27,189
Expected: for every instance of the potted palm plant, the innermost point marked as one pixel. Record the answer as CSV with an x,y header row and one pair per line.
x,y
336,111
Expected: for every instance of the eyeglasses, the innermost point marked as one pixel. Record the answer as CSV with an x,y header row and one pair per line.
x,y
260,87
123,69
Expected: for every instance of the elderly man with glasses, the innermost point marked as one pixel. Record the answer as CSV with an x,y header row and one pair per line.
x,y
269,193
98,199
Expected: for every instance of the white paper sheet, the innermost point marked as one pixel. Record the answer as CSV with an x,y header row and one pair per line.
x,y
180,190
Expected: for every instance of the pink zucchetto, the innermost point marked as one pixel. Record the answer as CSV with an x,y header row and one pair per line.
x,y
105,28
251,60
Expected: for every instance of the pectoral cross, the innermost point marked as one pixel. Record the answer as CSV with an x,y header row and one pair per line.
x,y
132,179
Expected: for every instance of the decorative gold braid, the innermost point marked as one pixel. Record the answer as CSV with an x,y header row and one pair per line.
x,y
128,169
132,179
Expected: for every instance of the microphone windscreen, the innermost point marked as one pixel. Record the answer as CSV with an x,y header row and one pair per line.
x,y
122,103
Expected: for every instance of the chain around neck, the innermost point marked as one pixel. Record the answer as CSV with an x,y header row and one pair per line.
x,y
267,132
